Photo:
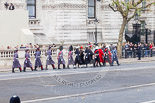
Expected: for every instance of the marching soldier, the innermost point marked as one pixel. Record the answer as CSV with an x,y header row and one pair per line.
x,y
49,60
70,57
97,58
60,58
27,62
37,59
16,63
114,56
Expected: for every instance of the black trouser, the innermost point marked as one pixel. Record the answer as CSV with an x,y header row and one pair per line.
x,y
97,60
25,69
139,56
63,66
106,59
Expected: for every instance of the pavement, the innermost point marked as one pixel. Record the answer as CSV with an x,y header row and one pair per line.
x,y
128,83
122,61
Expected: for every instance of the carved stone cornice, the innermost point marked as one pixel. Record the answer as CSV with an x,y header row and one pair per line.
x,y
105,7
64,6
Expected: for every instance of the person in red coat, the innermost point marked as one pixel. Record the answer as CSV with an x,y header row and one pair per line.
x,y
101,56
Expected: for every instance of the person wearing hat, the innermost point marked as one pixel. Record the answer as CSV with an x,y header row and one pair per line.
x,y
107,56
60,58
114,56
97,59
15,99
38,62
27,62
88,55
16,63
70,57
77,57
49,60
91,54
82,56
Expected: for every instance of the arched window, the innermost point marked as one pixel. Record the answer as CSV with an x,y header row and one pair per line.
x,y
91,8
31,7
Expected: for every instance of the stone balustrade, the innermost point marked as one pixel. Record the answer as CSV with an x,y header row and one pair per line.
x,y
6,56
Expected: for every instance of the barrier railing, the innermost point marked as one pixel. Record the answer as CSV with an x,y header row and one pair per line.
x,y
127,53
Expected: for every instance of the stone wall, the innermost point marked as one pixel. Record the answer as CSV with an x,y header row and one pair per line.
x,y
67,21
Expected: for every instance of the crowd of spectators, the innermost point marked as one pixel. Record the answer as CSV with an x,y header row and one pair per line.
x,y
29,46
129,49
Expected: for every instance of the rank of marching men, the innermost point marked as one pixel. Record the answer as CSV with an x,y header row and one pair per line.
x,y
83,57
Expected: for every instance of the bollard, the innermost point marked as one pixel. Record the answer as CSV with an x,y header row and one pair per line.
x,y
143,53
151,53
134,53
125,54
15,99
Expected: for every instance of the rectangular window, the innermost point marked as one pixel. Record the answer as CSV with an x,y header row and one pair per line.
x,y
31,7
91,8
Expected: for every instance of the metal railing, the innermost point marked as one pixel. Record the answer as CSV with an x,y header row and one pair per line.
x,y
127,53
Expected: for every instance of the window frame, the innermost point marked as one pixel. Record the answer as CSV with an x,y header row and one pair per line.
x,y
33,5
90,6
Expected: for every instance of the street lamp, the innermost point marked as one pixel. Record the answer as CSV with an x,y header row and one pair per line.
x,y
136,29
95,21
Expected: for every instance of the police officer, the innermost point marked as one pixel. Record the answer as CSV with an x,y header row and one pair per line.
x,y
70,57
27,62
15,99
60,58
49,60
16,63
38,62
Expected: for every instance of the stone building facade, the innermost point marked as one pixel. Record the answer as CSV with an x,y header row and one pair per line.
x,y
73,21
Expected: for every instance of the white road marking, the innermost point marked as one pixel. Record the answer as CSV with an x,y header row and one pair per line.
x,y
90,93
153,101
52,73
